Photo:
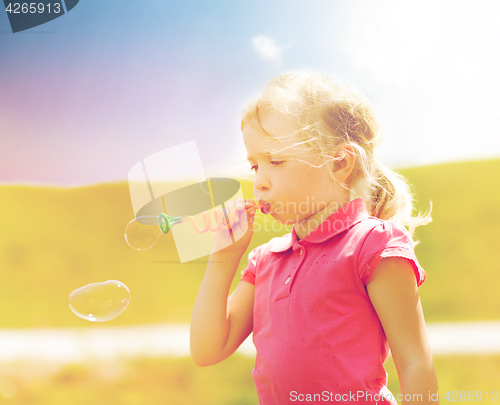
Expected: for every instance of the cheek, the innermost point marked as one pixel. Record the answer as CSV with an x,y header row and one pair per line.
x,y
315,177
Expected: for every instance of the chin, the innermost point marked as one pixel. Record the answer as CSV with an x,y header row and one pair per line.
x,y
283,221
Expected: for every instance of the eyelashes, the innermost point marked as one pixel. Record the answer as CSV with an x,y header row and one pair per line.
x,y
273,162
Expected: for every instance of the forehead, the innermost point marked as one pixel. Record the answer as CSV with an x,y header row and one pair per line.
x,y
274,136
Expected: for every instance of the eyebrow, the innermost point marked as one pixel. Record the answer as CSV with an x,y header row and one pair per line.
x,y
260,154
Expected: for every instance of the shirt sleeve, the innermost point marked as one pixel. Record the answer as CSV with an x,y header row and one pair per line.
x,y
248,274
387,239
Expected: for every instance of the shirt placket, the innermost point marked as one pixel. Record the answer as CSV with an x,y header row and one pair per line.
x,y
299,253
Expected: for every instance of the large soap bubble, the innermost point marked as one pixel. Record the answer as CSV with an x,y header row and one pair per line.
x,y
100,302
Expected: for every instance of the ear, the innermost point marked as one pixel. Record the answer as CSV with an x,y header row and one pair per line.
x,y
342,167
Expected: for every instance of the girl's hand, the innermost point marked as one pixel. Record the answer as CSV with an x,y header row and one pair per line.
x,y
241,228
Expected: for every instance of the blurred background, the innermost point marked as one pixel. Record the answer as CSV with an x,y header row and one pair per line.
x,y
88,95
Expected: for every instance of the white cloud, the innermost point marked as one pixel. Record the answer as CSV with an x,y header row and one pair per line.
x,y
267,48
436,64
442,40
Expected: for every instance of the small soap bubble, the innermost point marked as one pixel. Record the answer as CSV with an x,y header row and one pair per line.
x,y
142,232
100,302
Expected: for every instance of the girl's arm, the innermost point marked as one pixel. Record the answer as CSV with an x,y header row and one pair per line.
x,y
394,295
219,325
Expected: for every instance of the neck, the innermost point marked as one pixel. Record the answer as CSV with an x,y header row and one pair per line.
x,y
309,224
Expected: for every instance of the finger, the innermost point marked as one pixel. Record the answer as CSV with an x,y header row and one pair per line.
x,y
227,209
231,213
234,216
250,212
240,203
237,206
230,205
250,203
240,206
220,221
246,224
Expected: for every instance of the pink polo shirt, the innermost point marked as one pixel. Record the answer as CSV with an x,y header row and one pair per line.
x,y
317,335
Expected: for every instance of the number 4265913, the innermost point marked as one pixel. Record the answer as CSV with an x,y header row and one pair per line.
x,y
471,396
32,8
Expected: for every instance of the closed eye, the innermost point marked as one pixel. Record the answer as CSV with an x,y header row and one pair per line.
x,y
273,162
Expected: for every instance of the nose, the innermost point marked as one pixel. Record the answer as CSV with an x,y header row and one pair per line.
x,y
261,181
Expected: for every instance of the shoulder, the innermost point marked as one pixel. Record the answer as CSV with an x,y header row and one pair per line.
x,y
375,231
384,239
372,232
380,234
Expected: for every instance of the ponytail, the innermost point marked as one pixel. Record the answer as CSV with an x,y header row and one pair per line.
x,y
390,197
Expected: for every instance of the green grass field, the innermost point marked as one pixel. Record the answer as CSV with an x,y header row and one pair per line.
x,y
55,240
180,382
458,249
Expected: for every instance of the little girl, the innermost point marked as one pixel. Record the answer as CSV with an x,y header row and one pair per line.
x,y
326,301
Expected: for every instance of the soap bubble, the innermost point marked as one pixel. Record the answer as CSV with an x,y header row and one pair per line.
x,y
100,302
142,232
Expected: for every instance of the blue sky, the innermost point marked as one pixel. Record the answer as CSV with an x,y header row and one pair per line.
x,y
86,96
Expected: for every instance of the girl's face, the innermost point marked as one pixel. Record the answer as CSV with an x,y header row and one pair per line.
x,y
292,177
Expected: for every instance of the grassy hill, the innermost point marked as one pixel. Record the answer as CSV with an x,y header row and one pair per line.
x,y
54,240
459,248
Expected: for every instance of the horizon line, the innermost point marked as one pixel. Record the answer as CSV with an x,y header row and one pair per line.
x,y
37,184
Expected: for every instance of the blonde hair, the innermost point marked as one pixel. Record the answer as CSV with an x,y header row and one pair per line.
x,y
329,114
